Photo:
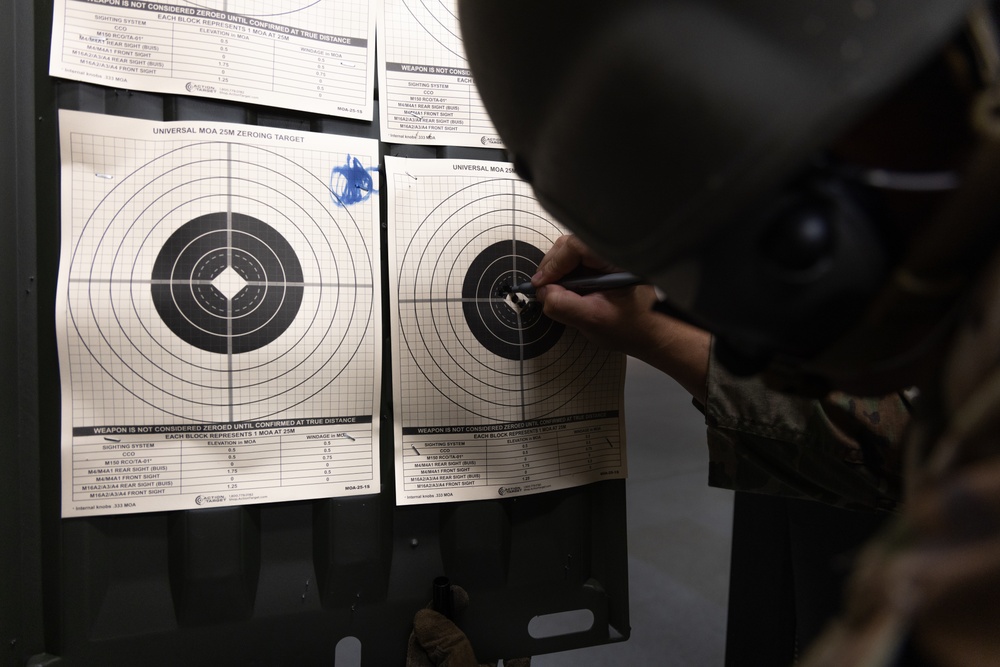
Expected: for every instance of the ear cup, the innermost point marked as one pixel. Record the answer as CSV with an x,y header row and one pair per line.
x,y
809,263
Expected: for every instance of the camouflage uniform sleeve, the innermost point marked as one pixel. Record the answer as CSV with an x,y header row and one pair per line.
x,y
929,585
840,450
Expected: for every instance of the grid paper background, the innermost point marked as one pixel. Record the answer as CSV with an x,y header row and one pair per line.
x,y
439,224
422,31
127,367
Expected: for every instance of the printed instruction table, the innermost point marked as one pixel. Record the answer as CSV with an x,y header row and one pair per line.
x,y
313,56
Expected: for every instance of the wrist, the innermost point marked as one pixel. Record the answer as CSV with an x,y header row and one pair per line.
x,y
682,352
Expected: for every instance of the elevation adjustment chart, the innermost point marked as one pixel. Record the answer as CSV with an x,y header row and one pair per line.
x,y
217,315
308,55
427,95
491,397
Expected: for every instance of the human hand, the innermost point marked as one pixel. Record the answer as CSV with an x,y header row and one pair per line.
x,y
621,319
436,641
605,317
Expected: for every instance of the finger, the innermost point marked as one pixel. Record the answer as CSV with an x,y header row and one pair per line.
x,y
446,645
569,308
460,598
566,254
561,258
591,259
416,656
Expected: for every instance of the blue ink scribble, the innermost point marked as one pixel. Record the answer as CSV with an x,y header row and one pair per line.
x,y
352,183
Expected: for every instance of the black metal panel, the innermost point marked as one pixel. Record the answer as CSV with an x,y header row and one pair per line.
x,y
13,593
270,584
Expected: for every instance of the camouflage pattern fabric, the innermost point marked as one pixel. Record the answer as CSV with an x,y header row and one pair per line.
x,y
840,450
930,584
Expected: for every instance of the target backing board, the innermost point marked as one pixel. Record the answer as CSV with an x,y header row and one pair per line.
x,y
491,398
218,315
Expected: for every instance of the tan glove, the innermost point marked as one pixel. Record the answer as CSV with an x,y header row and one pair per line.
x,y
437,642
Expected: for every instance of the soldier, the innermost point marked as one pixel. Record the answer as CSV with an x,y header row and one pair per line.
x,y
815,184
838,449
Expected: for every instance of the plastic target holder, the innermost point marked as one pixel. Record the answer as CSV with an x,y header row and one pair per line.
x,y
310,582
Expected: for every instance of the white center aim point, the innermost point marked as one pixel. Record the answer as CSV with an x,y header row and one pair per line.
x,y
517,301
514,303
229,282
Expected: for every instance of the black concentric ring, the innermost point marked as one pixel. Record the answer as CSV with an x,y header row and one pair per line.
x,y
193,258
501,324
440,21
190,303
464,337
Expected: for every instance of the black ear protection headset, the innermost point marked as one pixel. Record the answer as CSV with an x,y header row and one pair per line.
x,y
810,262
814,257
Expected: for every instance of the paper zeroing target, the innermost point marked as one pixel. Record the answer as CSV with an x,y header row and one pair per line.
x,y
220,281
484,354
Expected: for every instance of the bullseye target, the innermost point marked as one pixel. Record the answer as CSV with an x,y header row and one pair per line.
x,y
221,281
503,324
483,353
220,251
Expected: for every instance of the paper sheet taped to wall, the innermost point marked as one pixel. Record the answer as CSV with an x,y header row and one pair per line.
x,y
218,315
308,55
427,94
491,397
